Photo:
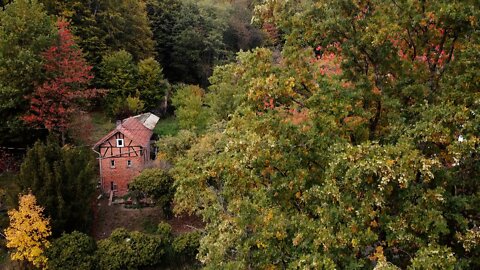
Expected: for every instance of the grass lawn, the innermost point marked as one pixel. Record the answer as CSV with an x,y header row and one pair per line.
x,y
167,126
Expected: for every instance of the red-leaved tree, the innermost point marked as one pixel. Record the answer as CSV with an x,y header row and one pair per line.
x,y
57,99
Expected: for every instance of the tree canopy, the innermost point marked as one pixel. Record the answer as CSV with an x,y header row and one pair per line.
x,y
356,145
348,139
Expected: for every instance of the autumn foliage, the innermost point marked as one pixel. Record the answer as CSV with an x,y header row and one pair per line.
x,y
28,232
68,76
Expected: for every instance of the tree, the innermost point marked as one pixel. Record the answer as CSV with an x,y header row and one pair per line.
x,y
191,114
63,181
126,27
152,86
25,32
72,251
28,232
241,34
106,26
186,245
162,15
55,101
118,74
125,107
189,38
173,147
82,15
347,156
3,3
155,183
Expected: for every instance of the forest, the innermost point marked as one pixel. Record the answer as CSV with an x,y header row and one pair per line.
x,y
307,134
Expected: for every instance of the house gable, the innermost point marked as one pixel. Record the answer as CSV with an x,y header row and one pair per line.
x,y
110,148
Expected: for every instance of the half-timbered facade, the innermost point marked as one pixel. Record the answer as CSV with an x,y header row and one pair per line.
x,y
124,152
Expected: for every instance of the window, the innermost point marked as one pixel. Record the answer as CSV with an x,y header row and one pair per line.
x,y
120,143
112,163
113,186
129,163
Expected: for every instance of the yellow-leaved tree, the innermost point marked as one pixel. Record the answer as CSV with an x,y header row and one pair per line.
x,y
28,232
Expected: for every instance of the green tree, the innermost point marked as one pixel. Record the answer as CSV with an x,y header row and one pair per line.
x,y
155,183
118,74
349,155
241,34
189,38
63,181
125,107
82,15
107,26
190,110
163,15
126,27
72,251
173,147
25,32
152,85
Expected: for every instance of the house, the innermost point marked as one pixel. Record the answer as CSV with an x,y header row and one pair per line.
x,y
124,152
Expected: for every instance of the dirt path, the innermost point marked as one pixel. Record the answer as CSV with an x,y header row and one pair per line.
x,y
109,218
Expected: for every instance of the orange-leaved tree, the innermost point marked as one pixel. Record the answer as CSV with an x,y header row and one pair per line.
x,y
66,87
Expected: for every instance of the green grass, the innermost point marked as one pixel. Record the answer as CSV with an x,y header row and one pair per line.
x,y
167,126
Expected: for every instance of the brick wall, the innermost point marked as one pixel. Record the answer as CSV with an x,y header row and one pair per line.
x,y
121,174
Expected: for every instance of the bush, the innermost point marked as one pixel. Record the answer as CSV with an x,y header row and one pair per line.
x,y
164,230
72,251
186,245
131,250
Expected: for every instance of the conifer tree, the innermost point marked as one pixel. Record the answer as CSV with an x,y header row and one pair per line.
x,y
62,179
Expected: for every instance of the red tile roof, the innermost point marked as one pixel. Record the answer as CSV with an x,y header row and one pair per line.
x,y
133,129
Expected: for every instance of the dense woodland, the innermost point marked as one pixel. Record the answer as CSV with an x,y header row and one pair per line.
x,y
306,134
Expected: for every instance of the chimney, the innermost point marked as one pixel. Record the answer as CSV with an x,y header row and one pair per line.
x,y
119,122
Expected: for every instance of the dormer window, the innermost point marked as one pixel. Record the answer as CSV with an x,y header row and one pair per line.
x,y
120,143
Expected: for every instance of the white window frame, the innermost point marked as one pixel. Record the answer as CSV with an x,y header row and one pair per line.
x,y
112,163
129,163
120,143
